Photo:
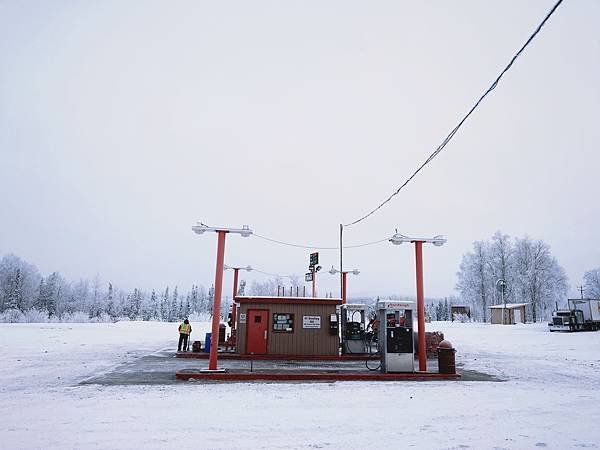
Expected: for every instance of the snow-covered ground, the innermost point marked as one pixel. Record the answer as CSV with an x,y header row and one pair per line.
x,y
550,399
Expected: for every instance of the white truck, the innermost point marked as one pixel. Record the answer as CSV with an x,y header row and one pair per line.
x,y
581,315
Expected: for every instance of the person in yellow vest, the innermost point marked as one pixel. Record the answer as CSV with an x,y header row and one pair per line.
x,y
184,333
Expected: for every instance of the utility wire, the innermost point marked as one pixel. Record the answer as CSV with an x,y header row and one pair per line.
x,y
316,247
456,128
311,247
275,274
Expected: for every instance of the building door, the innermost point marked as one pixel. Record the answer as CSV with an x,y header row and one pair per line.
x,y
517,315
257,328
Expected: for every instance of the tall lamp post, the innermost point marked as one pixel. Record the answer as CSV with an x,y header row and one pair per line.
x,y
438,241
501,284
236,271
333,271
245,231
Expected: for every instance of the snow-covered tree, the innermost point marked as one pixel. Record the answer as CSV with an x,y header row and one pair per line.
x,y
136,304
210,300
81,294
174,310
592,283
185,307
532,274
242,288
165,306
28,295
194,300
14,297
109,305
153,311
540,280
23,291
52,293
500,253
268,287
474,279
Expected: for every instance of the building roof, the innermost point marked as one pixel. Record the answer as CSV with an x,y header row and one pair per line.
x,y
509,306
266,299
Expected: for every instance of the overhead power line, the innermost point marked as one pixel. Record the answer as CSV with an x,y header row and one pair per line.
x,y
276,274
457,127
312,247
317,247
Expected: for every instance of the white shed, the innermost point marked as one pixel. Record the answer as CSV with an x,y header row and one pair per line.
x,y
514,313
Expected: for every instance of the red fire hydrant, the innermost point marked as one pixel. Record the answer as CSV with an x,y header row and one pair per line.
x,y
446,357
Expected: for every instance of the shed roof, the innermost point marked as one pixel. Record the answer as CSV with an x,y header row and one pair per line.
x,y
509,306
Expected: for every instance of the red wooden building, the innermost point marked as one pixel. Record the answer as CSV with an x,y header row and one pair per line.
x,y
287,326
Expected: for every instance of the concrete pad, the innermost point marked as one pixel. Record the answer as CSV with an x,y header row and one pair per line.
x,y
160,368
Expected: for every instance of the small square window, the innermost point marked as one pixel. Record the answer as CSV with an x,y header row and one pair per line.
x,y
257,319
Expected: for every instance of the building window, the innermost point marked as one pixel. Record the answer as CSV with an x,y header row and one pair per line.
x,y
283,323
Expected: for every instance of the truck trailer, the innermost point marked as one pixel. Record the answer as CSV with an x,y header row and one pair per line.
x,y
581,315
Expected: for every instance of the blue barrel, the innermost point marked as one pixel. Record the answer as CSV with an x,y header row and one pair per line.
x,y
207,339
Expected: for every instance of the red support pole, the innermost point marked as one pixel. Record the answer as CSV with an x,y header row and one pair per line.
x,y
344,287
214,339
314,283
233,305
420,306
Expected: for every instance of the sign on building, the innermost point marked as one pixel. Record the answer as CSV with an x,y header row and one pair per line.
x,y
311,322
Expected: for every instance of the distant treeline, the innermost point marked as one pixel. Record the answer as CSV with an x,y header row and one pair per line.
x,y
27,295
531,273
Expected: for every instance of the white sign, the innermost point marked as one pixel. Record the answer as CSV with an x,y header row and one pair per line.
x,y
242,318
311,321
386,304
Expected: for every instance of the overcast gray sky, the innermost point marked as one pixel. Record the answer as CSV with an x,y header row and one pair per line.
x,y
122,123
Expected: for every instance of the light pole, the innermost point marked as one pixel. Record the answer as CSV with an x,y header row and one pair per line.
x,y
502,284
245,231
333,271
438,241
313,272
235,290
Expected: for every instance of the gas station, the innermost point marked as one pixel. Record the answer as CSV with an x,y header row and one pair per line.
x,y
300,338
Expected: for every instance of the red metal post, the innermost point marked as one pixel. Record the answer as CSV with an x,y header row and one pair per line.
x,y
344,287
214,341
233,305
314,283
420,306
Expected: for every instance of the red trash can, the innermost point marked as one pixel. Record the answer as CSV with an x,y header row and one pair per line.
x,y
446,358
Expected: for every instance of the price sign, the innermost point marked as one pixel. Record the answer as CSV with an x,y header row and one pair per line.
x,y
314,259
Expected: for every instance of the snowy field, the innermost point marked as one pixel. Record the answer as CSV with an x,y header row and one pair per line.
x,y
550,396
